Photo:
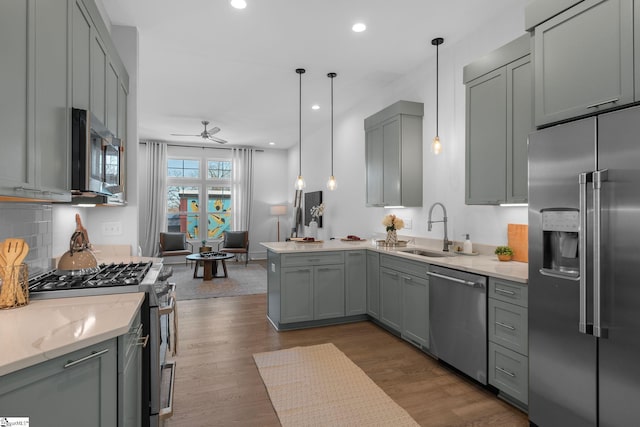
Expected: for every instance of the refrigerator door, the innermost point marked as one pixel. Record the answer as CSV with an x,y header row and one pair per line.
x,y
562,361
619,370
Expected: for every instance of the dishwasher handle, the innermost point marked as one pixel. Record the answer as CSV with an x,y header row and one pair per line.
x,y
455,279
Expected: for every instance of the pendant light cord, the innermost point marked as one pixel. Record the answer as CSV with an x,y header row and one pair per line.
x,y
331,76
300,71
437,42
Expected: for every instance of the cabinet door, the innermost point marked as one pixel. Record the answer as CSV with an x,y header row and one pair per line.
x,y
486,139
58,392
519,125
81,54
374,161
130,376
296,294
355,282
328,291
17,145
52,119
390,299
122,113
391,168
373,284
98,77
415,309
111,98
584,60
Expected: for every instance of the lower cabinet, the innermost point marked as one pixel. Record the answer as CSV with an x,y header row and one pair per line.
x,y
373,284
390,298
508,339
328,292
77,389
130,376
355,274
415,313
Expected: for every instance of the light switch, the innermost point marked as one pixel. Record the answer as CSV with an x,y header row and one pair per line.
x,y
408,223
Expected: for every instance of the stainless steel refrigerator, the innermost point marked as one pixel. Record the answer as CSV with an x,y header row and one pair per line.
x,y
584,272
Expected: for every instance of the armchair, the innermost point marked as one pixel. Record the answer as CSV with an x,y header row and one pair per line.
x,y
175,244
235,242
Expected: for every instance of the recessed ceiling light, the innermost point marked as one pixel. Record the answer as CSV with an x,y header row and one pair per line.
x,y
239,4
359,27
272,143
315,107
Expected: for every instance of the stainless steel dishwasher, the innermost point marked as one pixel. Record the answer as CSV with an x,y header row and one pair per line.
x,y
458,320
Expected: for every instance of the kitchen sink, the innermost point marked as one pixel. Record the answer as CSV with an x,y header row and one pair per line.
x,y
429,253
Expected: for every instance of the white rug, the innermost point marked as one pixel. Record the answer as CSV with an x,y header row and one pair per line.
x,y
320,386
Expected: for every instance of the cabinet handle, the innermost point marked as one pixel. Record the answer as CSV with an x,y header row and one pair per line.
x,y
504,371
390,274
407,278
21,188
609,101
504,325
93,354
504,291
136,331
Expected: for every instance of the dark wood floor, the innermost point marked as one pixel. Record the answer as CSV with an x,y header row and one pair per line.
x,y
218,384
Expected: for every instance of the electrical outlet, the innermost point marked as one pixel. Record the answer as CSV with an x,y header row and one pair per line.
x,y
111,228
408,223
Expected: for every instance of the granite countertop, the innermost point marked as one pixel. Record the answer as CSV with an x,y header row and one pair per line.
x,y
46,329
483,264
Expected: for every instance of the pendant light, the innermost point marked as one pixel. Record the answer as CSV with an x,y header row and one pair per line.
x,y
436,146
300,184
332,184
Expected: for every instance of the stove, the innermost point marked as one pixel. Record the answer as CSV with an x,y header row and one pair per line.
x,y
110,279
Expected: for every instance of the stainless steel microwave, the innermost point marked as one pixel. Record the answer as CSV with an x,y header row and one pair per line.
x,y
97,157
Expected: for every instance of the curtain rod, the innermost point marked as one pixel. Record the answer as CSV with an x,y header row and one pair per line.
x,y
197,145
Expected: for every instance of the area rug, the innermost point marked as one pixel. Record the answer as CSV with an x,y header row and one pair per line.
x,y
242,280
320,386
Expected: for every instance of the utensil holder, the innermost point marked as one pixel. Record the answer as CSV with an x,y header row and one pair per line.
x,y
14,286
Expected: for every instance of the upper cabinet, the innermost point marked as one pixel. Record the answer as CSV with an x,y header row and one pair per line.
x,y
496,137
48,66
393,149
583,56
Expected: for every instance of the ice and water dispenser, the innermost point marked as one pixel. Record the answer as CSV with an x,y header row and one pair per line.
x,y
560,229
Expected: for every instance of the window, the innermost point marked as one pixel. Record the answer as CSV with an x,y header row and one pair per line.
x,y
203,216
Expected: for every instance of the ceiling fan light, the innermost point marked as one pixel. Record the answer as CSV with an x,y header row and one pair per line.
x,y
238,4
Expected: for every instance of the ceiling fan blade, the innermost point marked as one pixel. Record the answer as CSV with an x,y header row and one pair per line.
x,y
182,134
213,130
218,140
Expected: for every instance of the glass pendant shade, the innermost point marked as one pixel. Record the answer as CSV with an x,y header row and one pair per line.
x,y
436,146
300,184
332,184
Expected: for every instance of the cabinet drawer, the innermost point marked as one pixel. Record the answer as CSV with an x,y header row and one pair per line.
x,y
414,268
508,326
507,291
312,258
509,372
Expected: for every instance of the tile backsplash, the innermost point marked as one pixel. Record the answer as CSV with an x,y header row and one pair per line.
x,y
33,223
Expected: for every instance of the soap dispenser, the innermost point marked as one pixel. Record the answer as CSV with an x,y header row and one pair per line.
x,y
467,247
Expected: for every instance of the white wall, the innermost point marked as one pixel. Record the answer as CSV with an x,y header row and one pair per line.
x,y
443,175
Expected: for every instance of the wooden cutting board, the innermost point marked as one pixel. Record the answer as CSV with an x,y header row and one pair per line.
x,y
518,236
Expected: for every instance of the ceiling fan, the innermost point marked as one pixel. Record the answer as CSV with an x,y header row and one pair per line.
x,y
206,133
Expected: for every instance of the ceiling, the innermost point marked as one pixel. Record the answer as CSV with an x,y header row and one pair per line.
x,y
204,60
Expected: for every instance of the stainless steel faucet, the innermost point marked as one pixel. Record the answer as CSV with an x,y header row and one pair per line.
x,y
446,242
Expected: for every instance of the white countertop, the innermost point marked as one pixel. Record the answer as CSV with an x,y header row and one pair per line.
x,y
46,329
487,265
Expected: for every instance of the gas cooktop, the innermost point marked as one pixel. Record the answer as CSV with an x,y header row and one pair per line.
x,y
110,278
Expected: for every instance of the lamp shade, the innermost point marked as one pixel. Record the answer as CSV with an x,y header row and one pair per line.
x,y
278,210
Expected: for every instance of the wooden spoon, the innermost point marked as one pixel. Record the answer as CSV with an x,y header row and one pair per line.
x,y
20,295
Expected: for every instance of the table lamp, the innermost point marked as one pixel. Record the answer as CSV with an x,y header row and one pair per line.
x,y
278,210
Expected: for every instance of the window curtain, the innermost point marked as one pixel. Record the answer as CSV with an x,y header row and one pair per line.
x,y
242,188
153,206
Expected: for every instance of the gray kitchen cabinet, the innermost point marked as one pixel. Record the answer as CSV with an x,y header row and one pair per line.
x,y
328,291
99,61
508,339
297,294
390,298
373,284
122,111
496,137
584,60
415,312
35,125
111,98
393,151
130,376
355,282
77,389
81,57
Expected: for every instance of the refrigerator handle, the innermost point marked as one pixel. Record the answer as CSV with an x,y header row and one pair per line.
x,y
598,178
583,179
